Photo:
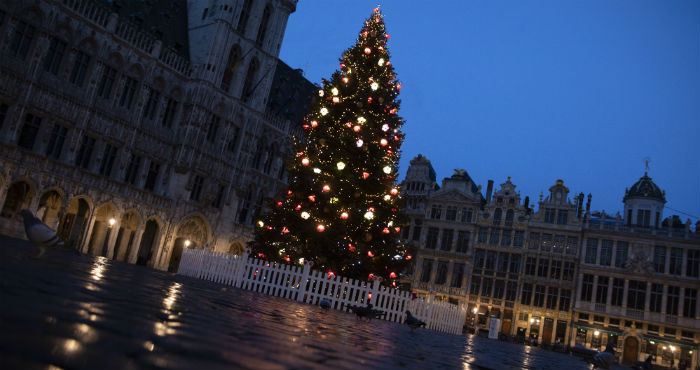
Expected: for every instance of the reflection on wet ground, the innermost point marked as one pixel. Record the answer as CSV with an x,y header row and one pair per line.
x,y
67,311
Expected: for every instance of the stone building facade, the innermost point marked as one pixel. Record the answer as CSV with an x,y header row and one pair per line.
x,y
560,273
137,129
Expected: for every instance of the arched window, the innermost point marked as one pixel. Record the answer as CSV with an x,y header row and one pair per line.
x,y
248,86
497,215
234,61
509,217
262,30
245,14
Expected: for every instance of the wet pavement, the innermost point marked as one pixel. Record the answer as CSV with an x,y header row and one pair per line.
x,y
68,311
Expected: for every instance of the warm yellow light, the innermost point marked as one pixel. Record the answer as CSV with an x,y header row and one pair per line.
x,y
374,85
387,170
317,170
334,200
334,91
532,320
305,215
260,223
112,222
475,310
673,348
361,120
387,197
324,111
188,243
596,333
340,165
369,215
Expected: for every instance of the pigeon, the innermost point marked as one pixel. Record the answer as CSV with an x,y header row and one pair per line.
x,y
413,322
325,303
41,235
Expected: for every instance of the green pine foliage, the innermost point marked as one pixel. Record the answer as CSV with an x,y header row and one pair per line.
x,y
343,209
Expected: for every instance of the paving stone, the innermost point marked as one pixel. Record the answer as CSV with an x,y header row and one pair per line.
x,y
73,311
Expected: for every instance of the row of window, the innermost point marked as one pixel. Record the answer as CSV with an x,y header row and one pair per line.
x,y
504,238
601,252
553,269
447,241
551,215
491,261
493,288
675,261
555,243
552,298
451,214
637,293
651,328
441,273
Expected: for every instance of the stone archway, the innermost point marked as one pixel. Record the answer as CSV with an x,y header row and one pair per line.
x,y
630,350
102,230
18,197
50,208
192,233
148,243
236,248
74,222
123,245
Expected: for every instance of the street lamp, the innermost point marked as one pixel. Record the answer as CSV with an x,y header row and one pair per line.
x,y
596,333
475,310
187,243
112,221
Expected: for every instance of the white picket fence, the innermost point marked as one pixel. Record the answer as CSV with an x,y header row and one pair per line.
x,y
303,284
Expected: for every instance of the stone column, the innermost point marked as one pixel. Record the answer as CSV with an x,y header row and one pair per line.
x,y
684,267
136,246
608,299
647,296
624,293
595,289
667,260
88,232
664,299
114,232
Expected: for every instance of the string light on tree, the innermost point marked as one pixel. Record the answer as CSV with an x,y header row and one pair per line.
x,y
338,231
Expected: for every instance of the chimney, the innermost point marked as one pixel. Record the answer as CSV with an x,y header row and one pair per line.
x,y
588,204
579,205
489,189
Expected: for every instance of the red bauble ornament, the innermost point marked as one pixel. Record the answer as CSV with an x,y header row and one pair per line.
x,y
398,86
356,128
314,123
365,33
394,191
320,228
345,80
289,192
370,277
351,247
336,99
279,204
386,230
331,274
383,142
392,275
305,126
348,124
312,198
285,230
365,175
397,229
386,36
369,100
370,254
408,257
298,207
368,50
344,215
305,161
326,188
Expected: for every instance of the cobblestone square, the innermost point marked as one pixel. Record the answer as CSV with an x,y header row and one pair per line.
x,y
73,311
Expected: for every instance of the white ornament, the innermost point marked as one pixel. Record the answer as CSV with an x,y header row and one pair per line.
x,y
385,127
387,170
361,120
334,91
324,111
359,143
380,62
305,215
374,86
340,165
317,170
320,92
387,197
369,215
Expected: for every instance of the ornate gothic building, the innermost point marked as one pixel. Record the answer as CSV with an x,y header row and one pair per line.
x,y
137,129
559,273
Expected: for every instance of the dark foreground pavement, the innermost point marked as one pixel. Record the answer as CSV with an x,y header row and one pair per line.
x,y
68,311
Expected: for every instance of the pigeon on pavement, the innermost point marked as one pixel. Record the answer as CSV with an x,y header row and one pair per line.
x,y
325,303
41,235
413,322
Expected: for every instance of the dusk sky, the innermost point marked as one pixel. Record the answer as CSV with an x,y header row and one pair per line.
x,y
576,90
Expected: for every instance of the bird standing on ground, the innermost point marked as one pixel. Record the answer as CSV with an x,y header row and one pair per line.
x,y
367,311
41,235
413,322
325,303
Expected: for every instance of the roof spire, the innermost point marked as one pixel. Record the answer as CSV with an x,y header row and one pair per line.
x,y
646,165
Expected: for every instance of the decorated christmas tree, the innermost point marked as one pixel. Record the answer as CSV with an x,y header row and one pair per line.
x,y
342,209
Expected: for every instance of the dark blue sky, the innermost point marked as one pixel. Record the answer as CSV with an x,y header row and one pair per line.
x,y
576,90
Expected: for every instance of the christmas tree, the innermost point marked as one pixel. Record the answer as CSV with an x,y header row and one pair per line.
x,y
342,209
